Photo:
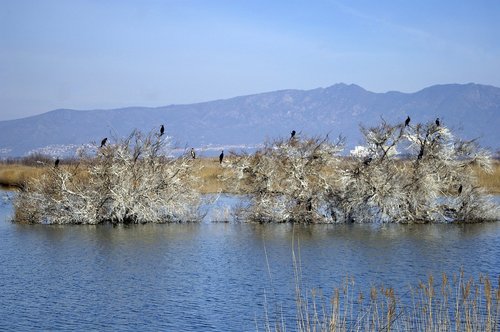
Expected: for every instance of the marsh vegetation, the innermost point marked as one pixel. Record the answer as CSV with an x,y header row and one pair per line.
x,y
450,303
401,174
131,181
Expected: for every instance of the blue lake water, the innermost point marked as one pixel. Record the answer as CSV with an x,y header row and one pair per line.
x,y
211,276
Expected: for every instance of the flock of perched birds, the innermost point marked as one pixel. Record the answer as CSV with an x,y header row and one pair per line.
x,y
162,131
407,121
366,161
221,156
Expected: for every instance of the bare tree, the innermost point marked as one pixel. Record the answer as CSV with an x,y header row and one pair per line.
x,y
131,181
403,174
418,173
406,174
287,179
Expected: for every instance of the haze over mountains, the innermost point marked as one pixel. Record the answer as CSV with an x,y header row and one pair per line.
x,y
471,110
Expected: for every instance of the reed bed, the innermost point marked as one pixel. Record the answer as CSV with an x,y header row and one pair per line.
x,y
210,174
209,171
453,303
15,175
448,303
490,181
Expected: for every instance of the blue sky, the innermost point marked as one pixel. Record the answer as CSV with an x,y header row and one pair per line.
x,y
90,54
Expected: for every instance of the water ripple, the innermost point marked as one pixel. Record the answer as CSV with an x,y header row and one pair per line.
x,y
211,277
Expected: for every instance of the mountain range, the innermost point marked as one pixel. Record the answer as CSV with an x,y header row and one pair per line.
x,y
470,110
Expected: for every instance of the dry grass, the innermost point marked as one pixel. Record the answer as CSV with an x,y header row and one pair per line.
x,y
17,175
490,181
449,303
210,173
208,170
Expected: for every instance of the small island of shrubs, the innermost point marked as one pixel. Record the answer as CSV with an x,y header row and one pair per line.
x,y
403,173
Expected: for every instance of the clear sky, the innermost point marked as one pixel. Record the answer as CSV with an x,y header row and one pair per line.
x,y
88,54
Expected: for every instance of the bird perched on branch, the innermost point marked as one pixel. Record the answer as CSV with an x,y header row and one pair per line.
x,y
367,161
460,189
421,153
193,154
407,121
292,134
103,142
221,156
56,163
162,130
309,204
437,122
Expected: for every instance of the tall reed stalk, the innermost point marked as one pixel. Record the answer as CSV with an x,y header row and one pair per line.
x,y
456,303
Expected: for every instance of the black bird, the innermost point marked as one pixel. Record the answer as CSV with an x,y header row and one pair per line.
x,y
407,121
437,122
193,154
292,134
309,204
421,153
103,142
56,163
221,156
162,130
460,189
367,161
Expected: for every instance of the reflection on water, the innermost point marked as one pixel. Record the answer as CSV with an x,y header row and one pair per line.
x,y
211,276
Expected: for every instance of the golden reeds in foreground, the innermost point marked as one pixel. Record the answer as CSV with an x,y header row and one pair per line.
x,y
452,304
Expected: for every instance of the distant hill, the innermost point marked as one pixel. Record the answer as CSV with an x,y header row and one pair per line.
x,y
471,110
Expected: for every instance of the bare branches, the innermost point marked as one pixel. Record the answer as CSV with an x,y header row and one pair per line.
x,y
287,179
133,180
403,174
419,185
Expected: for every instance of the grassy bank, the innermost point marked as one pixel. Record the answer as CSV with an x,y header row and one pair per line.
x,y
209,172
13,175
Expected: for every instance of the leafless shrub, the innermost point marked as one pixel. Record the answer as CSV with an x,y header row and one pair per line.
x,y
435,181
405,174
287,179
131,181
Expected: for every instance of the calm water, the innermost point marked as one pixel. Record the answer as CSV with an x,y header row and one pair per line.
x,y
211,277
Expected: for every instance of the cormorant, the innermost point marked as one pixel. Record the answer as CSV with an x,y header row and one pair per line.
x,y
221,156
367,161
407,121
292,134
103,142
193,154
162,130
421,153
437,122
56,163
309,204
460,189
